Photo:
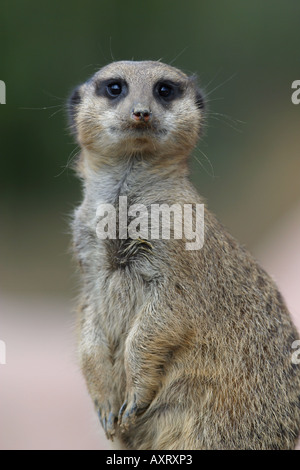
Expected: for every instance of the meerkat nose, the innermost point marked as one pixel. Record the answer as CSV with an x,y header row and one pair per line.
x,y
140,113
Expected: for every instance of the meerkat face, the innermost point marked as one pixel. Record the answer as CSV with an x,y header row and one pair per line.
x,y
137,108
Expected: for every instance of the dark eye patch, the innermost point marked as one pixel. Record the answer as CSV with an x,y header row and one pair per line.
x,y
113,88
166,91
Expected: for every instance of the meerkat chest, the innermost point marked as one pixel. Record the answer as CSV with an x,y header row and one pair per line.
x,y
114,272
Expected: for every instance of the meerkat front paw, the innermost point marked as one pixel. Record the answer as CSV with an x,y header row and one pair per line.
x,y
108,416
131,408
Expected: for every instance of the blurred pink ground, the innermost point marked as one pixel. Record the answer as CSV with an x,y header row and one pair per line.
x,y
43,399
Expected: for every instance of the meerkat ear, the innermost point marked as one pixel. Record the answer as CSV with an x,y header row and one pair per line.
x,y
200,100
72,104
199,94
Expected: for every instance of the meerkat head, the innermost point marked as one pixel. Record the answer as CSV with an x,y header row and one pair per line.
x,y
145,108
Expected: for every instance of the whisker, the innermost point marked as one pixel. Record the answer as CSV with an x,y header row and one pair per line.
x,y
110,48
234,120
53,96
212,79
55,112
212,173
179,55
42,108
231,120
71,158
221,84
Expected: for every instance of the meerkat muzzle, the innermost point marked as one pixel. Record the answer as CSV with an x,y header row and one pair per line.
x,y
141,114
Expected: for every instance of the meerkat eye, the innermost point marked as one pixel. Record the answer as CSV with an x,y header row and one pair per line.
x,y
114,89
167,91
111,89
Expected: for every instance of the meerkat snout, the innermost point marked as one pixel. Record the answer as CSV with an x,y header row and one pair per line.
x,y
141,113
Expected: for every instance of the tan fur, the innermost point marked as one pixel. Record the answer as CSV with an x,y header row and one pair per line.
x,y
180,349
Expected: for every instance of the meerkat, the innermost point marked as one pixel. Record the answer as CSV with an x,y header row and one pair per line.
x,y
181,348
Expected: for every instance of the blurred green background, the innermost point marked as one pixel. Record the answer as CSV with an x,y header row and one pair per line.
x,y
246,55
